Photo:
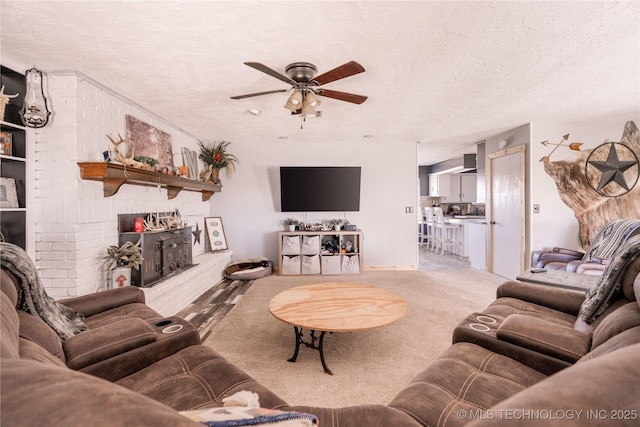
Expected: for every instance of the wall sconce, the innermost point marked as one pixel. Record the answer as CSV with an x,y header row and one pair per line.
x,y
34,113
294,103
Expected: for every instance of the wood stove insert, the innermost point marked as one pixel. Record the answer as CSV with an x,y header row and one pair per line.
x,y
165,253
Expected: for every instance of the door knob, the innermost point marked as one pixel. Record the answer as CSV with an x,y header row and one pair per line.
x,y
492,222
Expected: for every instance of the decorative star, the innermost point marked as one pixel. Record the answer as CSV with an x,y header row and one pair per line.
x,y
196,234
613,169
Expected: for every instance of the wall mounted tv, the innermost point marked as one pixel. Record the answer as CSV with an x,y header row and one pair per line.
x,y
319,189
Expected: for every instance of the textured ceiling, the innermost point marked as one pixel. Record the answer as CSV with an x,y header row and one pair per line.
x,y
447,74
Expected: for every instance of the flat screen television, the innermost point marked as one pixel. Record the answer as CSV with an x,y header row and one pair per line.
x,y
319,188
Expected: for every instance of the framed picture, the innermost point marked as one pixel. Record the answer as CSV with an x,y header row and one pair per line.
x,y
6,143
8,194
149,141
215,232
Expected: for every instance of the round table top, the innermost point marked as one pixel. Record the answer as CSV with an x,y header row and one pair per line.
x,y
337,307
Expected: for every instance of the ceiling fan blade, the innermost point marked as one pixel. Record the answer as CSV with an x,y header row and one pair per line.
x,y
261,67
345,70
249,95
342,96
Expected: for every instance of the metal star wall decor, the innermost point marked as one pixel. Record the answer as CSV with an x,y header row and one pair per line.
x,y
620,168
196,234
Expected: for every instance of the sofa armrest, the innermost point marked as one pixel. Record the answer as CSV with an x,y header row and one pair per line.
x,y
95,345
92,304
545,337
561,299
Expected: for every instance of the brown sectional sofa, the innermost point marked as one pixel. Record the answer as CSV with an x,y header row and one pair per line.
x,y
477,381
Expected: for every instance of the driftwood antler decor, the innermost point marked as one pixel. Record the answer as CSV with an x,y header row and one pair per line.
x,y
127,159
601,185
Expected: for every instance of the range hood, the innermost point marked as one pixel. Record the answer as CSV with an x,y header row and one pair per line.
x,y
464,163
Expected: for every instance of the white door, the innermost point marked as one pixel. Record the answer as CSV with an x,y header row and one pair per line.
x,y
506,180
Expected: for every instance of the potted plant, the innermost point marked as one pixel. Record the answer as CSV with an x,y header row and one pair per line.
x,y
291,223
119,261
216,157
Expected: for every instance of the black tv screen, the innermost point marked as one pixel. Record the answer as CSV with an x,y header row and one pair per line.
x,y
319,189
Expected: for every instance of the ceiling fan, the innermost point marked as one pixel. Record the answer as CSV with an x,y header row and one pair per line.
x,y
304,83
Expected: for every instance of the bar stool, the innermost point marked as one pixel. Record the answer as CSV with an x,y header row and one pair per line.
x,y
446,234
430,224
422,235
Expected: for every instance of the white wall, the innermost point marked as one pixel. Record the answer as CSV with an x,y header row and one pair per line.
x,y
74,221
249,203
556,224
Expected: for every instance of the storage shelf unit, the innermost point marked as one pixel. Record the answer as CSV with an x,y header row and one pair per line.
x,y
320,252
13,164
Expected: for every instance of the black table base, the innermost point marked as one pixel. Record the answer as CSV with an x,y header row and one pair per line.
x,y
315,343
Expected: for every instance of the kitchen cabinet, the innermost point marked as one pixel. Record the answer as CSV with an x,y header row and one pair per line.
x,y
462,188
439,185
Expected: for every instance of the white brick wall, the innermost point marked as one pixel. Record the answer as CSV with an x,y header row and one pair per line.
x,y
74,222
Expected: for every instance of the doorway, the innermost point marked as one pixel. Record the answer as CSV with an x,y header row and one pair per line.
x,y
506,196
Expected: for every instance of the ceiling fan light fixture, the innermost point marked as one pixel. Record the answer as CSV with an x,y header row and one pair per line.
x,y
294,103
310,103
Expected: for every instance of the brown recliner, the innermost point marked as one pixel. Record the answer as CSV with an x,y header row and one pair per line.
x,y
538,324
596,257
124,335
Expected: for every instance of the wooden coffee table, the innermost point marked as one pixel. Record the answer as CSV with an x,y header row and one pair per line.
x,y
335,307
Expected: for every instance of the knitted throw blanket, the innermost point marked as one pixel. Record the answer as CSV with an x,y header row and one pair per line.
x,y
598,298
62,319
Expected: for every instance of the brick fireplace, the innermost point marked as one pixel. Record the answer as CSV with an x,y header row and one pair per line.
x,y
73,222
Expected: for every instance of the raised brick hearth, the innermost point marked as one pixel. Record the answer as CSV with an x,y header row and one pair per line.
x,y
175,293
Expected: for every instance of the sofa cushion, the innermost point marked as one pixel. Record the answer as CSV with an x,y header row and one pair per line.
x,y
10,324
32,328
98,344
196,377
29,350
544,336
597,392
89,305
128,311
506,306
37,394
625,317
465,377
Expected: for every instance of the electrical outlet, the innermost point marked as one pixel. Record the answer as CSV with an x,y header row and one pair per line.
x,y
408,209
536,208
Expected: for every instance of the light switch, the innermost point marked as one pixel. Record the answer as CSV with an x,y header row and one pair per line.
x,y
536,208
408,209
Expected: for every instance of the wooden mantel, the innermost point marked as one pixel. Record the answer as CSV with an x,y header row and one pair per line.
x,y
114,175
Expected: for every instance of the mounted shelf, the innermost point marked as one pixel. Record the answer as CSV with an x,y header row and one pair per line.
x,y
114,175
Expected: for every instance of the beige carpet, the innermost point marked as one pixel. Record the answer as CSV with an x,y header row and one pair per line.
x,y
368,367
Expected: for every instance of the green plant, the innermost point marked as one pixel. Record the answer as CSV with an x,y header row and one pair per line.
x,y
217,157
127,255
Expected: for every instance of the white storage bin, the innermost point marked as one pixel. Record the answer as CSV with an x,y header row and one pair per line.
x,y
350,264
330,264
310,264
310,245
290,245
290,265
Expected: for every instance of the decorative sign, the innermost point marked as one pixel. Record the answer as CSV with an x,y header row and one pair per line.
x,y
149,141
8,194
215,232
6,143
